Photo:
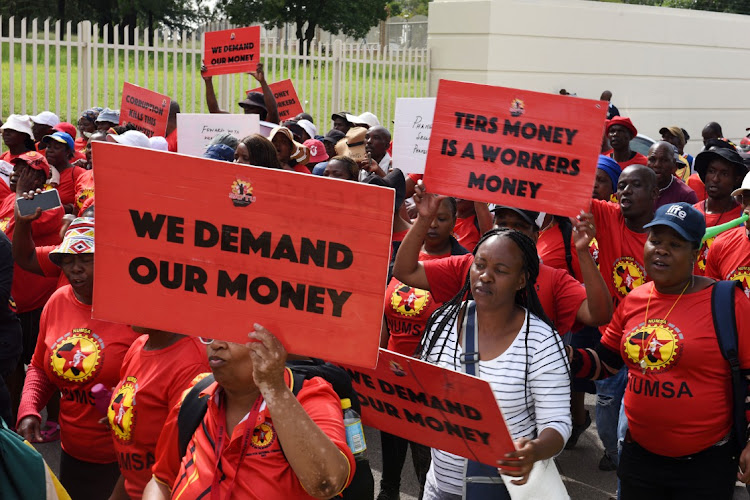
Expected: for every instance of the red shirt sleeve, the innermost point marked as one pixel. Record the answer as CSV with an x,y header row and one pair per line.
x,y
446,276
569,295
612,336
42,256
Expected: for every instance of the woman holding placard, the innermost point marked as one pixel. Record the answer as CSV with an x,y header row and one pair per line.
x,y
504,337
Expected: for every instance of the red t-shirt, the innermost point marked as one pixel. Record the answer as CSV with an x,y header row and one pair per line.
x,y
552,250
84,189
560,294
620,250
301,169
729,258
77,352
679,394
712,220
67,187
151,383
406,311
696,184
30,290
466,232
638,159
172,141
265,472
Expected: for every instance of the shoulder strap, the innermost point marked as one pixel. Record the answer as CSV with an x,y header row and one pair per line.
x,y
566,229
470,341
298,379
191,413
725,325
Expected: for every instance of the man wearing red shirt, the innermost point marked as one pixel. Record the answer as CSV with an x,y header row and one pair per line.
x,y
252,413
729,256
620,131
722,170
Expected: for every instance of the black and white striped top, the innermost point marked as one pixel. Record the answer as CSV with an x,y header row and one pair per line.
x,y
547,397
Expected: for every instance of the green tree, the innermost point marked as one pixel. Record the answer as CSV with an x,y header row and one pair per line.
x,y
352,19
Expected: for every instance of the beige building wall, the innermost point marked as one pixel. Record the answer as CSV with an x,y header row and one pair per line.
x,y
664,66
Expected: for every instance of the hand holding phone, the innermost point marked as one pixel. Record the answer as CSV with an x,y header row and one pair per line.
x,y
46,200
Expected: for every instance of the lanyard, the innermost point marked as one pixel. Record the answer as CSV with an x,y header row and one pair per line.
x,y
250,423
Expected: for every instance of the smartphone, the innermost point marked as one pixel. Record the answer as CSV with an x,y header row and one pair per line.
x,y
46,200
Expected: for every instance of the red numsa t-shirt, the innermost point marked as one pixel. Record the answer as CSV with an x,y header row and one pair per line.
x,y
265,472
559,293
30,290
551,249
729,258
696,184
84,189
620,250
711,220
77,352
467,232
151,383
679,394
67,187
638,159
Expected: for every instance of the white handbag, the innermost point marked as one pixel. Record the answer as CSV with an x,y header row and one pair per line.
x,y
544,483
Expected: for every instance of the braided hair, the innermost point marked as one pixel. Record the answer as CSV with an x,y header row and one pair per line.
x,y
444,319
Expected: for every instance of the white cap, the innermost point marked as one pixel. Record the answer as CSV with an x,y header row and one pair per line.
x,y
365,118
132,138
309,127
19,123
46,118
159,143
745,186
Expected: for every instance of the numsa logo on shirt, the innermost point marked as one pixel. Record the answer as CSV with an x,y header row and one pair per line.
x,y
263,436
408,301
703,256
742,274
121,410
77,355
654,346
627,275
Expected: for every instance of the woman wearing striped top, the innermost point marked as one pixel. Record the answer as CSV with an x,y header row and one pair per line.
x,y
520,355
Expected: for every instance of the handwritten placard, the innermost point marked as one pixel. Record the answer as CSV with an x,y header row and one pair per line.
x,y
198,130
412,129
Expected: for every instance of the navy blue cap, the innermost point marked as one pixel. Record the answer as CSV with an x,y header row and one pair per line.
x,y
683,218
219,152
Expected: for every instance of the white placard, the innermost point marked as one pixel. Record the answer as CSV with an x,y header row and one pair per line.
x,y
411,134
195,131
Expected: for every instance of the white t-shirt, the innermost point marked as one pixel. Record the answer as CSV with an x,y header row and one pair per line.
x,y
547,401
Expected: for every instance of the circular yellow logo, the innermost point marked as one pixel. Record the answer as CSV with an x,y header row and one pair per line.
x,y
121,411
655,346
704,253
263,436
742,274
408,301
627,275
85,195
77,355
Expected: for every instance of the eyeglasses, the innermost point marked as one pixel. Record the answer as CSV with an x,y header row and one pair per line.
x,y
206,340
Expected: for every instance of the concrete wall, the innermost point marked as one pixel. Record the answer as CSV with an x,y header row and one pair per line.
x,y
664,66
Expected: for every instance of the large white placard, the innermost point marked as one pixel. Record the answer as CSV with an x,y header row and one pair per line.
x,y
411,135
196,131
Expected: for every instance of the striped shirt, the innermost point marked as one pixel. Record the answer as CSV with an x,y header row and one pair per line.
x,y
546,405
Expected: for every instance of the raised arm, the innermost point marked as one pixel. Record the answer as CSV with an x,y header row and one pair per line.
x,y
484,217
321,467
211,101
407,267
24,249
268,98
597,309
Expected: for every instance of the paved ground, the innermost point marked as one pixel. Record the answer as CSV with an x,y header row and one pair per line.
x,y
579,467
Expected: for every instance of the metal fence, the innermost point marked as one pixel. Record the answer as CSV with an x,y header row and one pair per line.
x,y
50,66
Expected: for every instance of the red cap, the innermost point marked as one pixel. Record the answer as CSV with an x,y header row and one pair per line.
x,y
34,160
625,122
66,127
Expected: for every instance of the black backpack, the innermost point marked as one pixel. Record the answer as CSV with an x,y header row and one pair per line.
x,y
194,408
722,310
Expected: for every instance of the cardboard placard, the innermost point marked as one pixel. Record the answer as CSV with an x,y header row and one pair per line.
x,y
198,130
411,134
231,51
144,108
287,101
430,405
514,147
184,251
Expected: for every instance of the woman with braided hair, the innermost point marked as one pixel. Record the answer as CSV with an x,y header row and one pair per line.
x,y
504,337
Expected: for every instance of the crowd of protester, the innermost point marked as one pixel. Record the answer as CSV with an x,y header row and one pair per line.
x,y
537,304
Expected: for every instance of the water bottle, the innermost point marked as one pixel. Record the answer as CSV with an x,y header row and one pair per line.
x,y
355,434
